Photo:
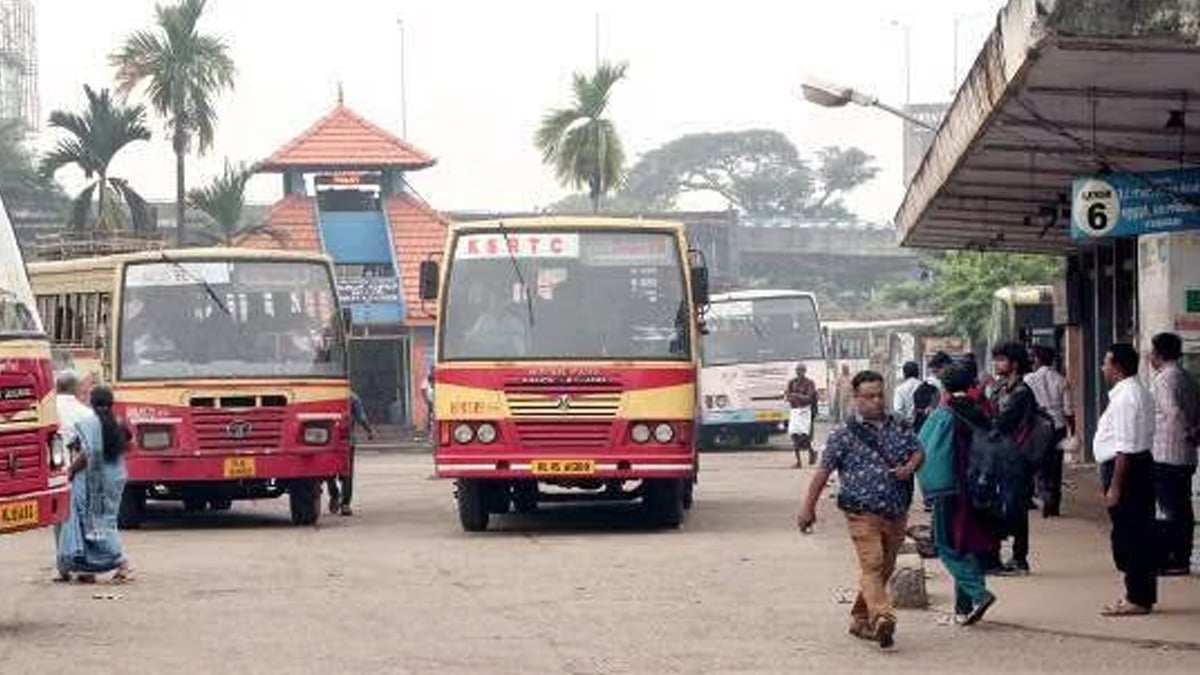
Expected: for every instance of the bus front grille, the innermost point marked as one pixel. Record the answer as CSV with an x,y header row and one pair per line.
x,y
564,435
576,406
220,430
21,456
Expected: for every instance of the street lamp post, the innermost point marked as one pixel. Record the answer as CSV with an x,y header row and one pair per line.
x,y
835,96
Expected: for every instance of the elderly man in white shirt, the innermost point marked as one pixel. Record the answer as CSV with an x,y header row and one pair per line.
x,y
1124,437
70,411
1053,395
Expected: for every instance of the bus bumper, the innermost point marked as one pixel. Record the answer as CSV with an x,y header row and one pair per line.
x,y
145,467
29,511
634,465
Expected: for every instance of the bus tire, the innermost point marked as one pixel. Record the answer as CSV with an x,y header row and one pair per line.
x,y
132,509
525,496
220,503
471,496
304,500
663,501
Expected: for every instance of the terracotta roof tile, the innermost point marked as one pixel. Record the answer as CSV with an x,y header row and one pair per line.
x,y
418,232
343,139
293,224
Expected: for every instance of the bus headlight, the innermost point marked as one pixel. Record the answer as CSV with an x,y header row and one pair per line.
x,y
663,433
486,433
58,452
316,434
463,434
722,401
154,437
640,433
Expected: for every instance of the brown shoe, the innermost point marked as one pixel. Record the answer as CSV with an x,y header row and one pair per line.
x,y
859,629
885,632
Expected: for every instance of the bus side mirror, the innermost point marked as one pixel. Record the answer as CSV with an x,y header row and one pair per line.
x,y
429,280
700,285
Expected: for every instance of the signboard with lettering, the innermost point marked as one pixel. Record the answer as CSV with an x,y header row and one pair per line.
x,y
518,245
363,290
1132,204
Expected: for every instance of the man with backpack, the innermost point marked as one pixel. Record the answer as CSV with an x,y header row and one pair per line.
x,y
1176,430
1016,417
876,458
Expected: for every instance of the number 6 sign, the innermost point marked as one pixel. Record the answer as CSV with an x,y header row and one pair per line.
x,y
1096,210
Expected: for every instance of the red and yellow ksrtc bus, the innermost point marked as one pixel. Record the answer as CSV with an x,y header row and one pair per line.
x,y
228,367
33,481
566,359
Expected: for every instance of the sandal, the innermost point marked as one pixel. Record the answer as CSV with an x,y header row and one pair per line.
x,y
123,575
85,578
1124,608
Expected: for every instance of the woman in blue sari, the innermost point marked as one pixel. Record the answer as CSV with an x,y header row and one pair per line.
x,y
89,543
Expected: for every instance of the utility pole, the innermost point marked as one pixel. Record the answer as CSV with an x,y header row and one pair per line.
x,y
403,85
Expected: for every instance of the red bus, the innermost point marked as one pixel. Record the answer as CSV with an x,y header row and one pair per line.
x,y
566,365
33,481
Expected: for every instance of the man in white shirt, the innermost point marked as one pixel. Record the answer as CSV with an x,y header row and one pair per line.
x,y
70,410
1176,424
902,403
1053,395
1124,437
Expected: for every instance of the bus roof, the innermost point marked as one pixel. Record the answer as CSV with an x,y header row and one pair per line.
x,y
759,294
182,254
1025,295
549,222
912,322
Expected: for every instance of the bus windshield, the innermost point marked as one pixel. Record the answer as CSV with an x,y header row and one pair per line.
x,y
762,330
17,315
225,319
566,294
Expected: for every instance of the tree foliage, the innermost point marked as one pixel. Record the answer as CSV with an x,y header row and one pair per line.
x,y
22,186
758,171
183,71
223,201
961,285
579,142
94,137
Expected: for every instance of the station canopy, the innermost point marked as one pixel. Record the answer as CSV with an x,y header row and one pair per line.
x,y
1061,89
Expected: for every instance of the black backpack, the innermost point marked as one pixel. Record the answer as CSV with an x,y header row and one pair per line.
x,y
995,477
925,399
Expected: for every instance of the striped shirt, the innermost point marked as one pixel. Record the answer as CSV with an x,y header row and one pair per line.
x,y
1053,394
1174,417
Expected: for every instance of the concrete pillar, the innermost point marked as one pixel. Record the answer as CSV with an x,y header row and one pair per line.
x,y
1169,291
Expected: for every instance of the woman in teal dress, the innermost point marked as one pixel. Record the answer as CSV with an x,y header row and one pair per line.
x,y
89,543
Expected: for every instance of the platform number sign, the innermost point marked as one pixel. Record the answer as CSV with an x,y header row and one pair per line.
x,y
1097,208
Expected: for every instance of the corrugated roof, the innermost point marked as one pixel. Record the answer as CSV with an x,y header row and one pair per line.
x,y
418,232
345,140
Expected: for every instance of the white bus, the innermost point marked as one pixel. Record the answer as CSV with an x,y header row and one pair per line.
x,y
755,339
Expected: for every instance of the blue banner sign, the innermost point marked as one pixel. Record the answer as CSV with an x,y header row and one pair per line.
x,y
1129,204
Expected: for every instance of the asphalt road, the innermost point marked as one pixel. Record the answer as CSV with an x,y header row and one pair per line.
x,y
399,588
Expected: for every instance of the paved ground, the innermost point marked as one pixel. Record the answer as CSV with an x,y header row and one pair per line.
x,y
399,588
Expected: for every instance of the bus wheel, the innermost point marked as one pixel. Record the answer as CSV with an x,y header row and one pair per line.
x,y
663,501
220,503
132,509
472,504
304,498
525,496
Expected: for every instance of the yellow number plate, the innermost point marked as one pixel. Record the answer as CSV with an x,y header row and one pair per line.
x,y
768,416
19,514
564,467
240,467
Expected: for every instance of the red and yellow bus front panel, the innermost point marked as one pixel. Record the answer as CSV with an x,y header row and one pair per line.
x,y
33,480
614,421
235,430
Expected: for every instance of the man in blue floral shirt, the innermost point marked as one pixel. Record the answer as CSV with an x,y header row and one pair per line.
x,y
875,458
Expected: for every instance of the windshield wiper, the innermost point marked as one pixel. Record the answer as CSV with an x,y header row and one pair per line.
x,y
520,277
212,294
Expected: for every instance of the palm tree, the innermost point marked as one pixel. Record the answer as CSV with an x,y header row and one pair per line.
x,y
223,200
183,70
579,142
95,137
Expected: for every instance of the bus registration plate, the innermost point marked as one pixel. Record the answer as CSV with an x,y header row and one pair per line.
x,y
240,467
19,514
563,467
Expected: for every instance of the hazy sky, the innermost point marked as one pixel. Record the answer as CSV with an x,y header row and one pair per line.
x,y
480,74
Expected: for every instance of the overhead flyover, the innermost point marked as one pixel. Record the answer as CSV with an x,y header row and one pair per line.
x,y
1060,89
